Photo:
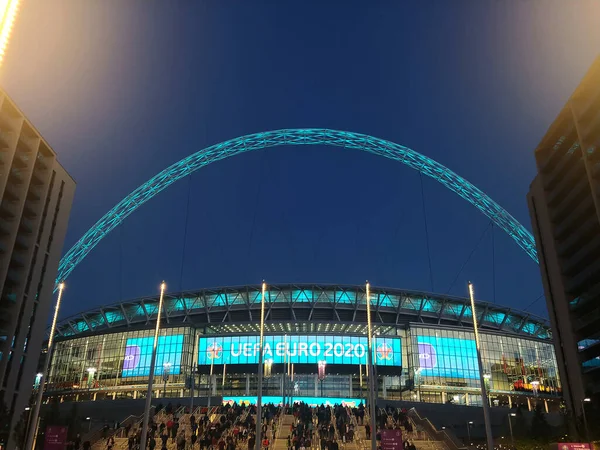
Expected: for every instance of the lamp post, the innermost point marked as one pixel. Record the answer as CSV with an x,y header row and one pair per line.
x,y
91,371
484,397
33,424
585,424
512,438
144,436
210,375
371,370
487,380
258,436
322,364
284,374
165,376
417,385
267,368
469,423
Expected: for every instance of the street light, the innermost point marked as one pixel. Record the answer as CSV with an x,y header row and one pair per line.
x,y
166,372
33,423
257,435
38,378
484,396
91,371
163,287
371,369
583,402
469,430
322,364
512,438
268,366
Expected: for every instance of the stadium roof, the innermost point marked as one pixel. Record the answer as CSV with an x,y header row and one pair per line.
x,y
301,308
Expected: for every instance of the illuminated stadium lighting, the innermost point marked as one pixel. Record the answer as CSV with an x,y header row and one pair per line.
x,y
8,13
396,331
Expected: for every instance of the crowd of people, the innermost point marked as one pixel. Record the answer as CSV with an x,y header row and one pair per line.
x,y
233,427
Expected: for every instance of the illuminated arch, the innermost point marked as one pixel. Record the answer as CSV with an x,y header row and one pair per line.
x,y
308,136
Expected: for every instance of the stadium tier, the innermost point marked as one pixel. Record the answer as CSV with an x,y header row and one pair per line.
x,y
315,347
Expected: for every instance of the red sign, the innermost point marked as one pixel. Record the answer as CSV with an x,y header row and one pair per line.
x,y
392,440
55,437
572,446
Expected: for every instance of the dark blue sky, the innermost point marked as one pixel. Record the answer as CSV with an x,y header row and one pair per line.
x,y
122,89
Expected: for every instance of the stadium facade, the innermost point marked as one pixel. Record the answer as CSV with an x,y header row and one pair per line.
x,y
424,348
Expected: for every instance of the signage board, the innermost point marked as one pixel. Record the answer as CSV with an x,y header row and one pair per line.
x,y
138,355
299,349
55,437
572,446
391,440
447,357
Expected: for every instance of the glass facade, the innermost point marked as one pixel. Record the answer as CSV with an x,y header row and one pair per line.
x,y
115,363
444,361
418,363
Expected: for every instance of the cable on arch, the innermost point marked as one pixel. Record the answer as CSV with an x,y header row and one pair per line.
x,y
297,136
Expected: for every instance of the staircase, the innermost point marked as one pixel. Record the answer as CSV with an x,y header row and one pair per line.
x,y
280,441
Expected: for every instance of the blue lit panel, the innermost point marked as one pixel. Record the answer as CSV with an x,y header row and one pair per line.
x,y
447,357
310,401
303,349
138,355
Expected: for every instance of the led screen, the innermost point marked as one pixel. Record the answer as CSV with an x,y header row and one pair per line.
x,y
138,354
304,349
447,357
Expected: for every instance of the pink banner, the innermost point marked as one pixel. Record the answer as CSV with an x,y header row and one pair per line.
x,y
573,446
55,437
392,440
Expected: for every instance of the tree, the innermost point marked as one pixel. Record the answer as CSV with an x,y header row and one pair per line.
x,y
4,421
73,422
540,429
20,430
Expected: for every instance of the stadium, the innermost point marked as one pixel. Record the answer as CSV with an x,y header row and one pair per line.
x,y
424,349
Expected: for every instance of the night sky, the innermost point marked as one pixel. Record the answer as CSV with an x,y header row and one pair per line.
x,y
121,89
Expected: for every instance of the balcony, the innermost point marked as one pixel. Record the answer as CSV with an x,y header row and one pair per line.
x,y
11,193
8,210
578,282
565,170
575,195
21,159
591,250
16,176
30,209
6,138
18,260
27,225
586,231
14,275
579,213
9,122
590,352
38,176
22,242
30,142
5,155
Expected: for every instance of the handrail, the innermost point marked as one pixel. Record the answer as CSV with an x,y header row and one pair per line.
x,y
448,439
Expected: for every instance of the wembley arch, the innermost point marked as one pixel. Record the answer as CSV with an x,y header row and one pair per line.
x,y
296,136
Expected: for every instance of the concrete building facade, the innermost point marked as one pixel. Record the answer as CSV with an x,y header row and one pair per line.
x,y
36,195
564,204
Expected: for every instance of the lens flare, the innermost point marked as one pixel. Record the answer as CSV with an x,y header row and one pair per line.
x,y
8,12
